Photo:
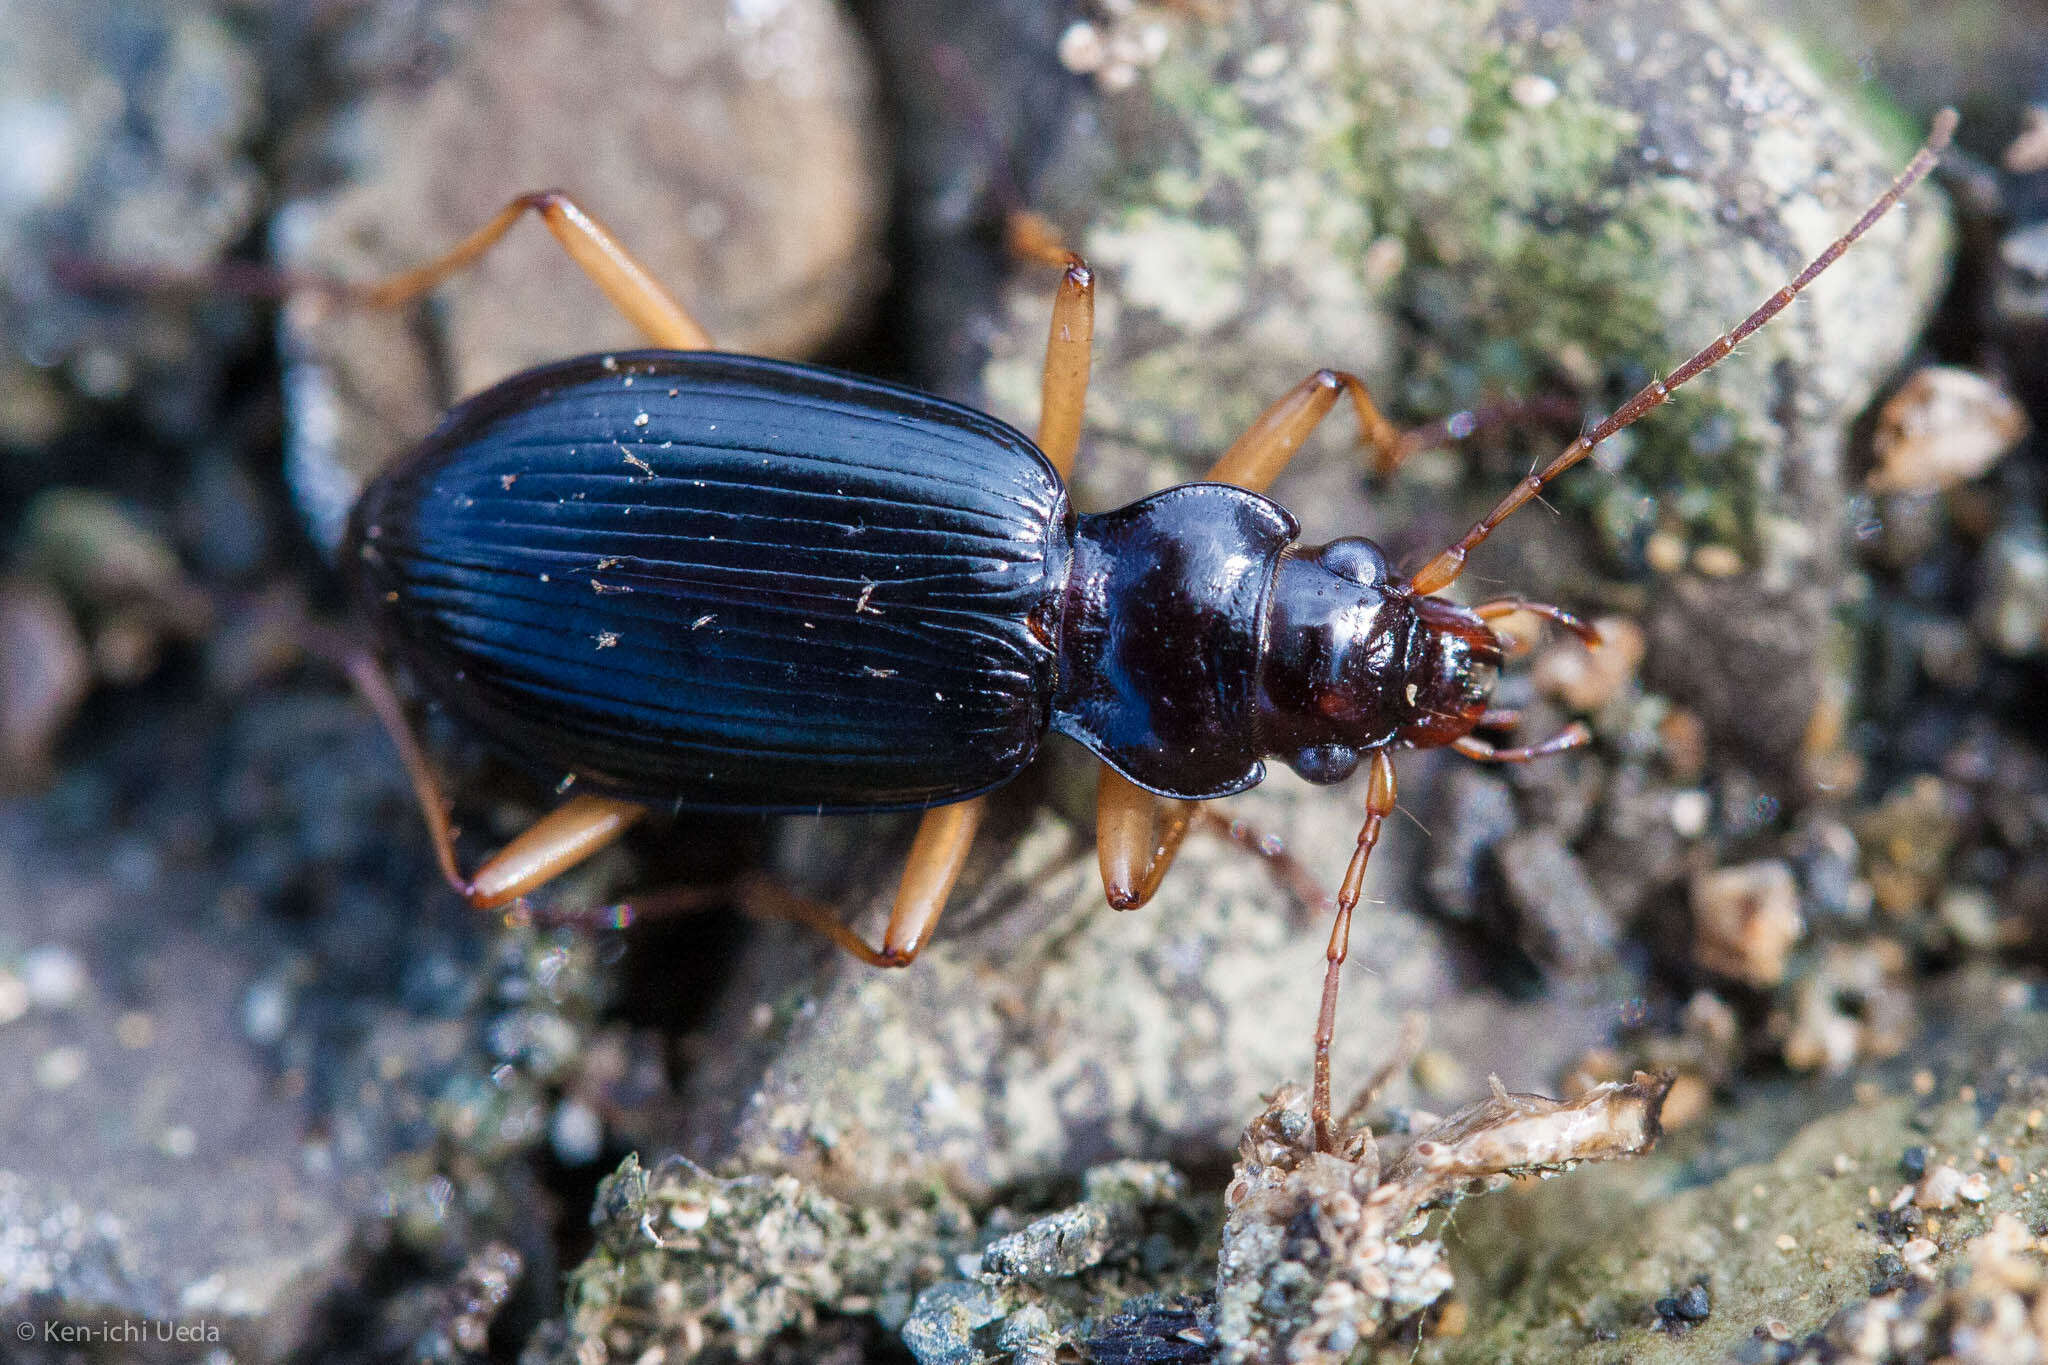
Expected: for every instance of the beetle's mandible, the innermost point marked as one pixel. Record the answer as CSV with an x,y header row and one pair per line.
x,y
684,578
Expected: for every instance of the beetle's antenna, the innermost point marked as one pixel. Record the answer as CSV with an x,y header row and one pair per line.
x,y
1443,571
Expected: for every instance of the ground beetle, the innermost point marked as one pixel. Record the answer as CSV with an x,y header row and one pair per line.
x,y
680,578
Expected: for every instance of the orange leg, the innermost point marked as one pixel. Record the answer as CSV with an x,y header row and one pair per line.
x,y
1256,458
582,825
1379,804
947,832
1137,835
1573,736
555,843
625,281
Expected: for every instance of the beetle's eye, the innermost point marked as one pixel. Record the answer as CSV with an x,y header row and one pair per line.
x,y
1355,559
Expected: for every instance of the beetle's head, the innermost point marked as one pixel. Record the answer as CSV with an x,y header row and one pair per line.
x,y
1354,662
1453,663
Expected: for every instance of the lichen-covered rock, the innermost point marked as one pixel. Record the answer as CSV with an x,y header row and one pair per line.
x,y
1042,1033
1817,1231
731,148
686,1261
1122,1266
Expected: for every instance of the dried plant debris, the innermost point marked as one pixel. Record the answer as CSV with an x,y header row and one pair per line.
x,y
1323,1250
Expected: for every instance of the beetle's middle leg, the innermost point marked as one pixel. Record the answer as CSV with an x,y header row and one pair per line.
x,y
947,832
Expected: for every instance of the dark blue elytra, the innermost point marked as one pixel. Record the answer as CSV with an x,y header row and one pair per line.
x,y
713,580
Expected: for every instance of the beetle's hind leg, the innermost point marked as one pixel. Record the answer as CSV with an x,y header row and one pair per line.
x,y
630,286
558,841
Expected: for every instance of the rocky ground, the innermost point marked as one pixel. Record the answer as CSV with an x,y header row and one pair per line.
x,y
268,1092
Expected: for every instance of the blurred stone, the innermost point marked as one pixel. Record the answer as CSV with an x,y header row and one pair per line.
x,y
1702,1211
687,1262
1943,427
44,675
732,149
1587,679
1745,919
1907,840
1852,1006
105,560
164,1183
1561,920
1475,811
127,129
2012,613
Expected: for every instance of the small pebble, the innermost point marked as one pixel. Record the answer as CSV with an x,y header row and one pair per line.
x,y
576,1134
1690,811
60,1068
1532,91
54,976
1693,1304
1688,1100
1942,1186
1913,1162
266,1012
1716,561
1665,552
135,1030
2012,609
1969,913
1786,1242
1943,427
1745,921
1587,679
1918,1251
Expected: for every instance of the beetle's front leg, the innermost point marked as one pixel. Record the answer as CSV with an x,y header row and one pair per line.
x,y
1379,804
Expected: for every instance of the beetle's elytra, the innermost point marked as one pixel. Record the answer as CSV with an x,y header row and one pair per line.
x,y
683,578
